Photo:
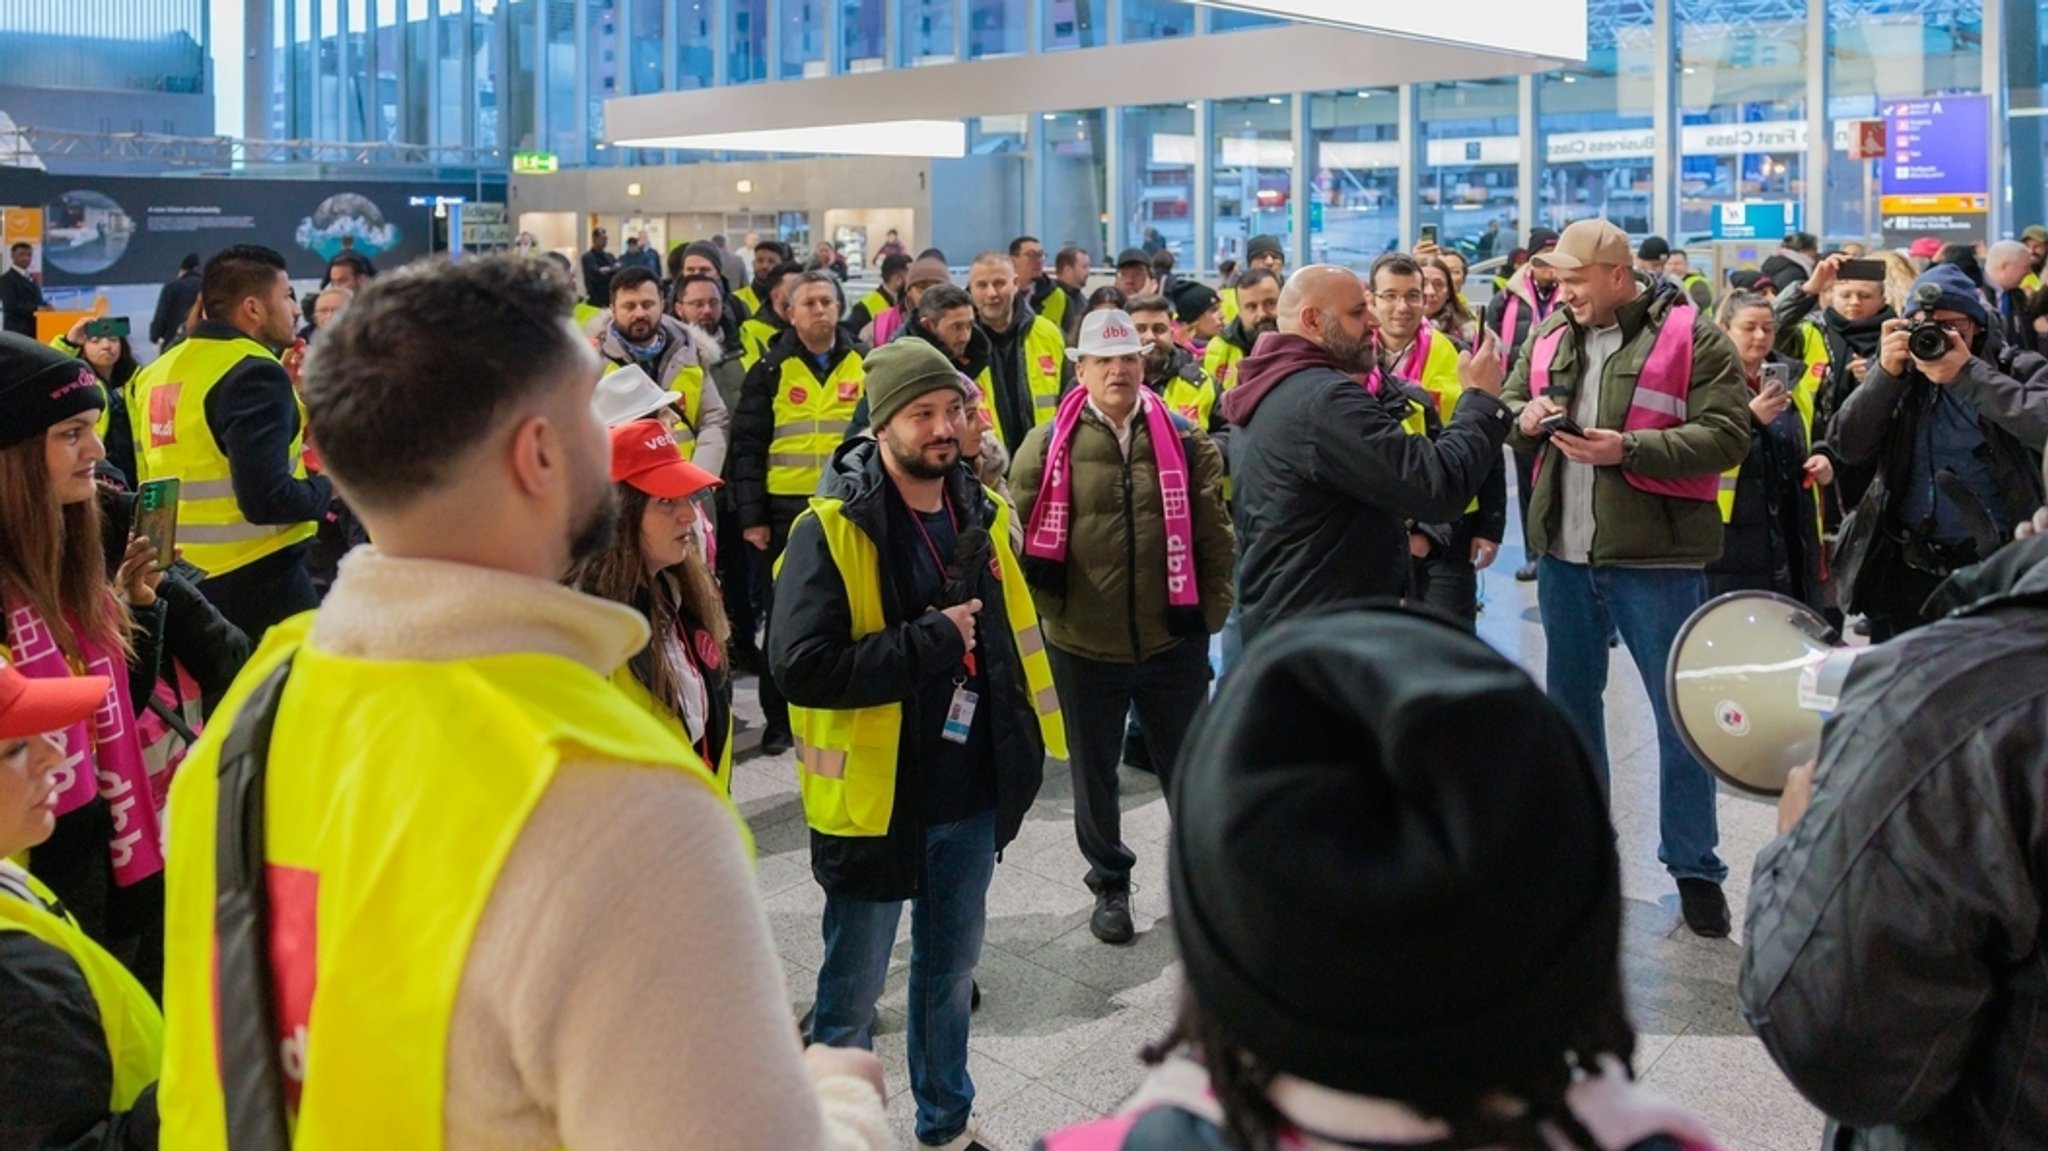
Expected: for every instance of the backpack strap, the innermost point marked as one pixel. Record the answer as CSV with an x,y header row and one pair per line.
x,y
252,1084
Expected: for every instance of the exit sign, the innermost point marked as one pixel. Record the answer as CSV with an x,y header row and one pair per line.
x,y
534,163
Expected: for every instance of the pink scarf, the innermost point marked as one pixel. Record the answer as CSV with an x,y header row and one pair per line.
x,y
108,736
1045,544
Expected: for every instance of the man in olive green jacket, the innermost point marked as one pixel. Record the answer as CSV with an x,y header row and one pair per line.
x,y
1103,558
1624,518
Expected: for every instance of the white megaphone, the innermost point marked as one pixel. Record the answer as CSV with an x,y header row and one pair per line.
x,y
1753,676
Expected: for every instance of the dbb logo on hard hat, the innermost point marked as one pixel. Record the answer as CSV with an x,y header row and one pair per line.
x,y
1117,332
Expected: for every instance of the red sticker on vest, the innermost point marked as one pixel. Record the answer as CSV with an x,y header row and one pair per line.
x,y
163,415
1224,373
709,653
849,390
1820,369
1191,412
1048,365
798,395
294,939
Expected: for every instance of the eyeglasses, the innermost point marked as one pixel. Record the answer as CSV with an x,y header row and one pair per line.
x,y
1412,299
1032,254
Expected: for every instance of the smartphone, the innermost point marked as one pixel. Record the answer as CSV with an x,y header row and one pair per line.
x,y
107,328
1776,373
1863,271
1562,422
156,517
1428,234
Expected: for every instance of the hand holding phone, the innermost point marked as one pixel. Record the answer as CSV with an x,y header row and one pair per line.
x,y
156,518
1561,422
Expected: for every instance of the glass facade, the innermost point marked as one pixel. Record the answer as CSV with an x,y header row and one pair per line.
x,y
1682,108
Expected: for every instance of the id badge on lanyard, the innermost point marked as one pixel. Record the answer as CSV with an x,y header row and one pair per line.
x,y
960,713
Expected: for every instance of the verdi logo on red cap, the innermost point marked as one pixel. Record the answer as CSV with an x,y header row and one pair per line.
x,y
656,443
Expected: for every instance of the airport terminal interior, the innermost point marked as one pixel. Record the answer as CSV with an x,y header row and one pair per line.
x,y
1752,216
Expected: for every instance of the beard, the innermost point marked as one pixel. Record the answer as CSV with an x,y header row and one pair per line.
x,y
595,529
1355,356
917,463
1263,327
642,330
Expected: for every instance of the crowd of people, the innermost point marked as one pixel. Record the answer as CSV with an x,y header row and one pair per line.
x,y
954,529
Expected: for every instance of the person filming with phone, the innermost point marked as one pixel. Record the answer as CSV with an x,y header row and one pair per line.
x,y
1624,517
1956,429
1770,517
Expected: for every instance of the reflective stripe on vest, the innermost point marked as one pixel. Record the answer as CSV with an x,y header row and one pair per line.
x,y
810,422
129,1020
1725,496
1659,401
846,759
173,439
1045,347
378,872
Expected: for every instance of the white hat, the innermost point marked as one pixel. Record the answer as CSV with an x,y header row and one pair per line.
x,y
1108,333
626,394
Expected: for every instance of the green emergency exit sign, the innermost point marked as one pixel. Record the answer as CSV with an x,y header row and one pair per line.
x,y
534,163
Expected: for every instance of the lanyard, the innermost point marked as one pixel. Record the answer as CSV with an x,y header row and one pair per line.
x,y
938,561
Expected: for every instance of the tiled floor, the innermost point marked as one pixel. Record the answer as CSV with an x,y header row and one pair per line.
x,y
1064,1016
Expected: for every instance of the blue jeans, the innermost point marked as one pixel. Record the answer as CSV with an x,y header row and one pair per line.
x,y
947,926
1581,606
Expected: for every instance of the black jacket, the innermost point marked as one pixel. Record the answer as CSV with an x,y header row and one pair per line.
x,y
753,425
818,664
1325,481
1897,963
253,413
1772,542
56,1074
598,270
173,304
20,299
1016,409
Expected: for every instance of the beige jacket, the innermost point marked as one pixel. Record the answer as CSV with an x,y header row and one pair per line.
x,y
622,991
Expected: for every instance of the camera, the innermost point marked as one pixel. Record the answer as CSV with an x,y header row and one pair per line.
x,y
1927,337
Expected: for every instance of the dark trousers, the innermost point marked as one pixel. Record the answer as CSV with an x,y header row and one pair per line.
x,y
782,514
273,589
1095,697
1447,580
736,582
1525,486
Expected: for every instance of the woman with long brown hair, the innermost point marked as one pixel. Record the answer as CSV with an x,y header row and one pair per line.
x,y
1442,303
64,617
657,566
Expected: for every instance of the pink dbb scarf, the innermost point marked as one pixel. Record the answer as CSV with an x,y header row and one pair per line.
x,y
1046,542
106,743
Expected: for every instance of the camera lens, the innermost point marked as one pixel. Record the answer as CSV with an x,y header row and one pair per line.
x,y
1927,340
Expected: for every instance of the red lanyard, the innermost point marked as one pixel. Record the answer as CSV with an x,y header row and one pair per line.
x,y
917,520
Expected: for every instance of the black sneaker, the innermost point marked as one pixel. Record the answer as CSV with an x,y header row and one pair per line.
x,y
776,741
1526,573
1704,907
974,1000
1111,922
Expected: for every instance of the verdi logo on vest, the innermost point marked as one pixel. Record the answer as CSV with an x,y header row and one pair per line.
x,y
163,415
294,935
798,395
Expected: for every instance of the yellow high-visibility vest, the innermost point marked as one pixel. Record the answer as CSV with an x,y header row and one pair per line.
x,y
1045,348
1055,311
1437,376
1229,297
1220,361
1193,400
846,759
396,790
811,418
128,1017
755,337
172,439
749,297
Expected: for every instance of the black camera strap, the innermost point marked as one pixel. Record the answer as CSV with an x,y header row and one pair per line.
x,y
252,1076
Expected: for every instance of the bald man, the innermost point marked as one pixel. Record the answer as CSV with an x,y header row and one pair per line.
x,y
2006,267
1326,482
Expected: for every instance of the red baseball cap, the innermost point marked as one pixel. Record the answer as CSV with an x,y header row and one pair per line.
x,y
645,455
31,706
1925,248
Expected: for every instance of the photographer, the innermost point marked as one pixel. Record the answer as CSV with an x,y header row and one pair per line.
x,y
1959,438
1895,968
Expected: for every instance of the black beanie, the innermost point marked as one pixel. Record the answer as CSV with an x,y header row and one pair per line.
x,y
1391,862
1193,301
41,387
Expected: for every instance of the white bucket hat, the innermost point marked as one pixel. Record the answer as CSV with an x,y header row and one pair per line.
x,y
626,394
1107,334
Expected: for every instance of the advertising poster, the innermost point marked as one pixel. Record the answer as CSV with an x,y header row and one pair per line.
x,y
134,229
1935,171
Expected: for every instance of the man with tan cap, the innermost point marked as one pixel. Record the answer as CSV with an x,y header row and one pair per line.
x,y
1634,403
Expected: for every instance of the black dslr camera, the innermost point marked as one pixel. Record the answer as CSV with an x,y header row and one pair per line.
x,y
1927,337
